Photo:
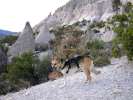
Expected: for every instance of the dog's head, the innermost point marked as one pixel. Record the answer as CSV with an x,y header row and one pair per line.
x,y
55,75
56,62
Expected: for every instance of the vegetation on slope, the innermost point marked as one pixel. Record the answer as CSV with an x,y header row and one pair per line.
x,y
123,26
27,70
24,71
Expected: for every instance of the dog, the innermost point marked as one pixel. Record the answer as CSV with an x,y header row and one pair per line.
x,y
84,62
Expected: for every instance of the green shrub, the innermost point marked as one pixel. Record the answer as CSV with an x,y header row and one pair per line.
x,y
24,71
101,61
98,53
116,52
22,68
96,44
42,70
8,39
5,85
125,31
122,18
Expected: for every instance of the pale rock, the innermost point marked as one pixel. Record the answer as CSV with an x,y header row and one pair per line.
x,y
73,11
25,42
108,36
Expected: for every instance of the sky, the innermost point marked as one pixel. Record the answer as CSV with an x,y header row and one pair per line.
x,y
15,13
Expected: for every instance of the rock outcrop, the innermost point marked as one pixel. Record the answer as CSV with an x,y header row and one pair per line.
x,y
73,11
24,43
44,36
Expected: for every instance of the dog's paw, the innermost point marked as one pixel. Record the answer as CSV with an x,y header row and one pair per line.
x,y
67,72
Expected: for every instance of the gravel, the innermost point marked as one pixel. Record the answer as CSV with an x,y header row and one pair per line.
x,y
115,82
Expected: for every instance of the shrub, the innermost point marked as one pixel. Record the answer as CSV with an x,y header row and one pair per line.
x,y
116,52
5,85
99,53
8,39
24,71
42,70
125,32
101,61
22,68
96,44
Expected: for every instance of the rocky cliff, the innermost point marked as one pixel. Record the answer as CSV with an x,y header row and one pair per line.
x,y
73,11
25,42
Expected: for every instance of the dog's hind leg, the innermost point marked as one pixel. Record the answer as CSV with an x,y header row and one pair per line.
x,y
87,73
77,64
78,68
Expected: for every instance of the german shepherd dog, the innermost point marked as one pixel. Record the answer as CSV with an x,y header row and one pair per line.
x,y
85,62
74,60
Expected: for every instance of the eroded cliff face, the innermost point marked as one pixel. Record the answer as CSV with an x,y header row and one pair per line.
x,y
25,42
73,11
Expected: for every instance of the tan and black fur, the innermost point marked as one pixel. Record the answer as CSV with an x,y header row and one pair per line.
x,y
83,62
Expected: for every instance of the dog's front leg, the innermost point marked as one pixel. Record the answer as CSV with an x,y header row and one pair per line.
x,y
64,66
69,67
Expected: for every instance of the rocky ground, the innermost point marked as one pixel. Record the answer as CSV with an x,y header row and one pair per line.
x,y
114,83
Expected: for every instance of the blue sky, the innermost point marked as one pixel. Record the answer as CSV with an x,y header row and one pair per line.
x,y
14,13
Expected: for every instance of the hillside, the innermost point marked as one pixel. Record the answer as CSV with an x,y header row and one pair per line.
x,y
100,29
114,83
74,11
5,33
